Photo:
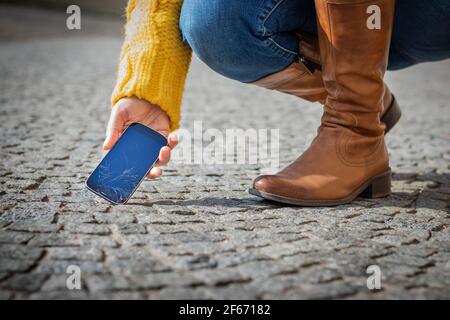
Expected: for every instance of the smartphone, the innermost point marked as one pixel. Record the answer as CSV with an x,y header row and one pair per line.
x,y
124,167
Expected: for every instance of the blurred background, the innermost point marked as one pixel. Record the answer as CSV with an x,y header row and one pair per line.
x,y
113,7
25,19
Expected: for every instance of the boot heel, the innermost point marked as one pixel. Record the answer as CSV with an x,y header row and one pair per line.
x,y
379,187
392,116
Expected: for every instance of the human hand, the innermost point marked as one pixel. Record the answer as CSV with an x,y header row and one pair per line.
x,y
132,109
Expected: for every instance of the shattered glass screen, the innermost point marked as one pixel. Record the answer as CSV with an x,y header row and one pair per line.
x,y
122,169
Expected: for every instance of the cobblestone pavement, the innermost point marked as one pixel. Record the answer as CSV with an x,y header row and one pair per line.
x,y
196,233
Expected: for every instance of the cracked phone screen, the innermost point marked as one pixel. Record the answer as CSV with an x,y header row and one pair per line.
x,y
123,168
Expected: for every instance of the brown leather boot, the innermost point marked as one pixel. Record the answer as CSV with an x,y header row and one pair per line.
x,y
304,79
348,157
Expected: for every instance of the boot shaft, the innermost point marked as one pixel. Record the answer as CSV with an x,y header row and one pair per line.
x,y
354,39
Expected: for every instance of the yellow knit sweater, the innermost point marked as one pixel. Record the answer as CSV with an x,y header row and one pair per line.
x,y
154,61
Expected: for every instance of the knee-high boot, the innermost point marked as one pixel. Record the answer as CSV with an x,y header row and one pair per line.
x,y
348,157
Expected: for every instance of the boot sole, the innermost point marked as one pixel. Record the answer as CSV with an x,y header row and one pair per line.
x,y
392,115
376,187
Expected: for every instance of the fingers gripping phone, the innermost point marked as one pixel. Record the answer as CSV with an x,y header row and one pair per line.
x,y
121,171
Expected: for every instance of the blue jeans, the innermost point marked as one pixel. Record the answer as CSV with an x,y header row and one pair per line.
x,y
246,40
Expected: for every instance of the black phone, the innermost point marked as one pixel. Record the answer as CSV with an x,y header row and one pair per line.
x,y
124,167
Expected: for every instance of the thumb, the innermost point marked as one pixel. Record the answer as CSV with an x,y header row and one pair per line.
x,y
115,127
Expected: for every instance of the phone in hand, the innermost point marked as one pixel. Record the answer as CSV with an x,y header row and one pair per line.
x,y
124,167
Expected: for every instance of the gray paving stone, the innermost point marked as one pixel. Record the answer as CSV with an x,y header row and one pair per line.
x,y
56,282
24,282
87,228
29,226
102,283
57,240
40,212
15,237
61,266
114,218
182,293
59,295
15,265
78,253
15,251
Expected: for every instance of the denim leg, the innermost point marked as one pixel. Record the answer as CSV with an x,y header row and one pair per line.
x,y
421,32
246,40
